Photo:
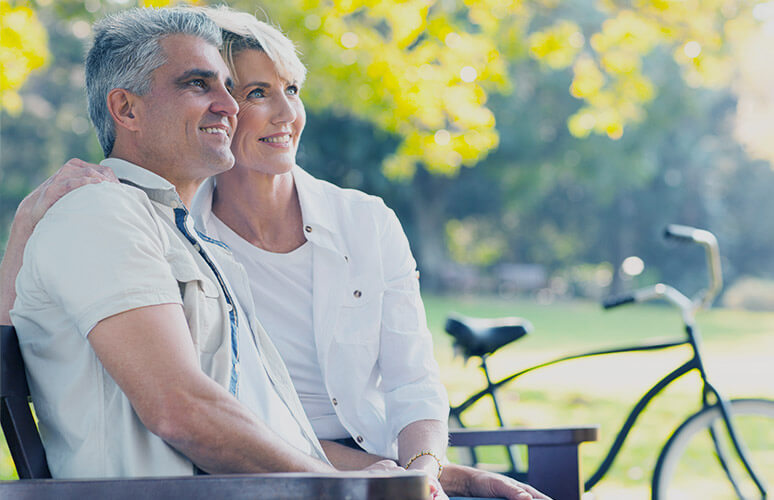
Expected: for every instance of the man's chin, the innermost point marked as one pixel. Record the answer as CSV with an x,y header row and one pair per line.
x,y
221,161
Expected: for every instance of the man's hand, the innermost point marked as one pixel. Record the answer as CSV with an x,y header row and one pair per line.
x,y
467,481
74,174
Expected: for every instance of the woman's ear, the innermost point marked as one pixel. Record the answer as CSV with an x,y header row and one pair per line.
x,y
122,106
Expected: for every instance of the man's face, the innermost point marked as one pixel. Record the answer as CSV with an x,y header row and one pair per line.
x,y
187,119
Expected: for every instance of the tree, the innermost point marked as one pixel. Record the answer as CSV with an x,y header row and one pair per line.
x,y
542,96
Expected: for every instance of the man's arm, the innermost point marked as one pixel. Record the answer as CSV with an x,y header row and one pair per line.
x,y
148,351
74,174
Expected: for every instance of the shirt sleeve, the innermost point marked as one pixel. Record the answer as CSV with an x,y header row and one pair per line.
x,y
99,251
410,375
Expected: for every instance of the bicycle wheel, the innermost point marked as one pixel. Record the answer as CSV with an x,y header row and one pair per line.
x,y
689,468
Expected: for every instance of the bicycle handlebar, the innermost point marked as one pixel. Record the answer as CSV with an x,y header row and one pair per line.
x,y
702,299
618,301
680,233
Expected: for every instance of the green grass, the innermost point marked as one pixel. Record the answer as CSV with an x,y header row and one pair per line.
x,y
738,346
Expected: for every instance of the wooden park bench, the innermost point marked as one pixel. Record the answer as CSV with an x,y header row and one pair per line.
x,y
553,461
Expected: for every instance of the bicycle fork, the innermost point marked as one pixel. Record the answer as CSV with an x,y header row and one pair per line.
x,y
721,453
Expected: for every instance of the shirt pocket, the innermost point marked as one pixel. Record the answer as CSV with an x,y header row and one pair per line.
x,y
359,320
201,303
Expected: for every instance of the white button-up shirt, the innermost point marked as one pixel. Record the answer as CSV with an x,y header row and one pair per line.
x,y
373,345
108,248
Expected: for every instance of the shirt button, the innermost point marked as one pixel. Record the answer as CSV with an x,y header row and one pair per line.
x,y
359,439
334,402
229,307
308,229
346,258
357,294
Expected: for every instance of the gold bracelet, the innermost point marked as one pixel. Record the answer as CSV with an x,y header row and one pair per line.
x,y
429,454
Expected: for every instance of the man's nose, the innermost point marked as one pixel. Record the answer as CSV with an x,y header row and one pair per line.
x,y
224,103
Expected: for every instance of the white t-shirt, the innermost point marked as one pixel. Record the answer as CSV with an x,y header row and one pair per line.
x,y
281,284
253,381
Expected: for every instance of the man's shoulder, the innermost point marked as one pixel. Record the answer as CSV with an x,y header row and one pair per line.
x,y
96,215
106,196
98,206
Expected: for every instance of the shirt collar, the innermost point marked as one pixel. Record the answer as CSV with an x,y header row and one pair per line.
x,y
315,206
156,187
317,214
316,210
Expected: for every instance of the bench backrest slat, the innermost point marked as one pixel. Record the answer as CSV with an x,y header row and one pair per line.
x,y
19,427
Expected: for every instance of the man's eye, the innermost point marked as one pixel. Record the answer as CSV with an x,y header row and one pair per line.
x,y
292,90
198,83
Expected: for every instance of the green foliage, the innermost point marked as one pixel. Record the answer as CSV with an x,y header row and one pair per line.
x,y
473,241
23,48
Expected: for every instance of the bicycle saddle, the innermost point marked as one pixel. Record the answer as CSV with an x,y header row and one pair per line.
x,y
481,337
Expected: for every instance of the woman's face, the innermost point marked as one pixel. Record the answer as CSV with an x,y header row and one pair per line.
x,y
271,116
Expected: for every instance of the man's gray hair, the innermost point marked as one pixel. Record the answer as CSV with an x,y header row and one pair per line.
x,y
126,51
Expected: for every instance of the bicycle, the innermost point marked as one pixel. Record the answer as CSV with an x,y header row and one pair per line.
x,y
739,432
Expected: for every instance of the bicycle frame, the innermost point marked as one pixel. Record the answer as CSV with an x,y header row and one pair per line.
x,y
694,363
492,387
688,308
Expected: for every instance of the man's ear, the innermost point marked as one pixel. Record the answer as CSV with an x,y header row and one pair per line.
x,y
122,106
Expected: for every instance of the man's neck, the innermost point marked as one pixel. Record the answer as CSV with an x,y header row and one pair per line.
x,y
186,188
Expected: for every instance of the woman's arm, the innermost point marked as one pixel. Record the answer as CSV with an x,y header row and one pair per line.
x,y
420,437
346,458
74,174
416,404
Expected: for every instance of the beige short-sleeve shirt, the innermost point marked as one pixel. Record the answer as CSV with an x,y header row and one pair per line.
x,y
101,250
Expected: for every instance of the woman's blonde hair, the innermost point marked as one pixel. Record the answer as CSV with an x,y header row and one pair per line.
x,y
242,31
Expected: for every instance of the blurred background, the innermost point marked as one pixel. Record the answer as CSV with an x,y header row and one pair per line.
x,y
534,152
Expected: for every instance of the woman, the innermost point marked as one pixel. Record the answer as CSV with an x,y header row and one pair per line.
x,y
332,275
330,269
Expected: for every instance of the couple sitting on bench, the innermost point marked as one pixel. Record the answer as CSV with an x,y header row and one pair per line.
x,y
140,292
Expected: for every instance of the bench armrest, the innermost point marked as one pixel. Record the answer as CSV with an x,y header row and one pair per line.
x,y
553,458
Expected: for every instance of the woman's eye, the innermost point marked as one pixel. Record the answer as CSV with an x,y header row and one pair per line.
x,y
256,93
292,90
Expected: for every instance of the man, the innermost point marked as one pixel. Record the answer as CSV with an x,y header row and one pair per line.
x,y
141,358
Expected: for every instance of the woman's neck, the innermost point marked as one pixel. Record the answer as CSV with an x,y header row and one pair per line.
x,y
263,209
